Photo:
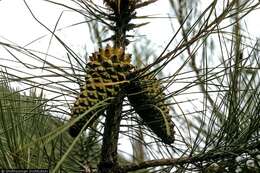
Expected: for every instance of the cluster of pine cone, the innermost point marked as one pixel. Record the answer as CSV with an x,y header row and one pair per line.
x,y
109,72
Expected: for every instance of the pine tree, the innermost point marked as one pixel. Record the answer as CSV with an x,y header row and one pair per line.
x,y
201,116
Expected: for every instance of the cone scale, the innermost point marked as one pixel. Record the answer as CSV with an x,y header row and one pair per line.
x,y
106,72
147,98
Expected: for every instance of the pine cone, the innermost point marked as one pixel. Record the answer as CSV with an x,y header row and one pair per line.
x,y
148,100
106,73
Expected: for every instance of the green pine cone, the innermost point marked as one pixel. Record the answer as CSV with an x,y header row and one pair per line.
x,y
106,73
147,98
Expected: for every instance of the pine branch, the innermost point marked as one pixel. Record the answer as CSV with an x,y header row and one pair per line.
x,y
212,155
108,162
122,13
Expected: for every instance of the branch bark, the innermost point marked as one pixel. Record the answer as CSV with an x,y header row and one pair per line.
x,y
108,162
